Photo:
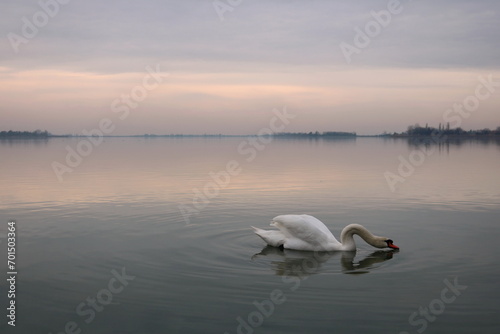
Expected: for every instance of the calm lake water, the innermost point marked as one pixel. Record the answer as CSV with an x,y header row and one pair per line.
x,y
139,237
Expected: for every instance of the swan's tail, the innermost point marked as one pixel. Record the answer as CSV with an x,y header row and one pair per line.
x,y
272,238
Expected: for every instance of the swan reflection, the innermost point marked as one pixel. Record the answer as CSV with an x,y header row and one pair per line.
x,y
286,262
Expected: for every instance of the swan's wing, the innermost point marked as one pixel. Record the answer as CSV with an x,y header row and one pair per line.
x,y
317,224
304,229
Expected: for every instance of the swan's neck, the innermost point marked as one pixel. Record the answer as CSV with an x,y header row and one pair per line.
x,y
347,236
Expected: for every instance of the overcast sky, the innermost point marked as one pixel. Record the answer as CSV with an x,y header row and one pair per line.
x,y
68,64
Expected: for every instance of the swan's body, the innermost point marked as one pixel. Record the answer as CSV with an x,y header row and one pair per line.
x,y
304,232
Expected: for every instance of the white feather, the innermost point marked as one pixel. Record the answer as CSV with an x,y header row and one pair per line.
x,y
304,232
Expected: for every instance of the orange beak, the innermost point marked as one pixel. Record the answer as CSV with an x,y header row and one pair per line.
x,y
393,246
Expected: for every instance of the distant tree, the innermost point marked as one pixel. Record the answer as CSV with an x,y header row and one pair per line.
x,y
25,134
409,131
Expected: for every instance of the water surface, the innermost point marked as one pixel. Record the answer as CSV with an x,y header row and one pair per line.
x,y
121,212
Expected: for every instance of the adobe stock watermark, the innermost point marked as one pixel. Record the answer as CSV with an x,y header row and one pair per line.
x,y
372,29
425,315
249,149
266,308
30,27
223,6
454,116
88,308
94,137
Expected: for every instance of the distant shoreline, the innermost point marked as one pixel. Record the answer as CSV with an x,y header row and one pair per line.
x,y
414,132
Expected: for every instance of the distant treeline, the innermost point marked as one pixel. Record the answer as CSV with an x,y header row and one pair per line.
x,y
46,134
412,131
25,134
315,134
279,134
427,131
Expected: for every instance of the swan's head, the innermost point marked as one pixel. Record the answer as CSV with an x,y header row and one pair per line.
x,y
375,241
389,243
383,242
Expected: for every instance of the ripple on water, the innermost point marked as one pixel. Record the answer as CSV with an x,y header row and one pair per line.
x,y
218,251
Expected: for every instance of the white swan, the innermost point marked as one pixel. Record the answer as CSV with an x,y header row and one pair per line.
x,y
304,232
